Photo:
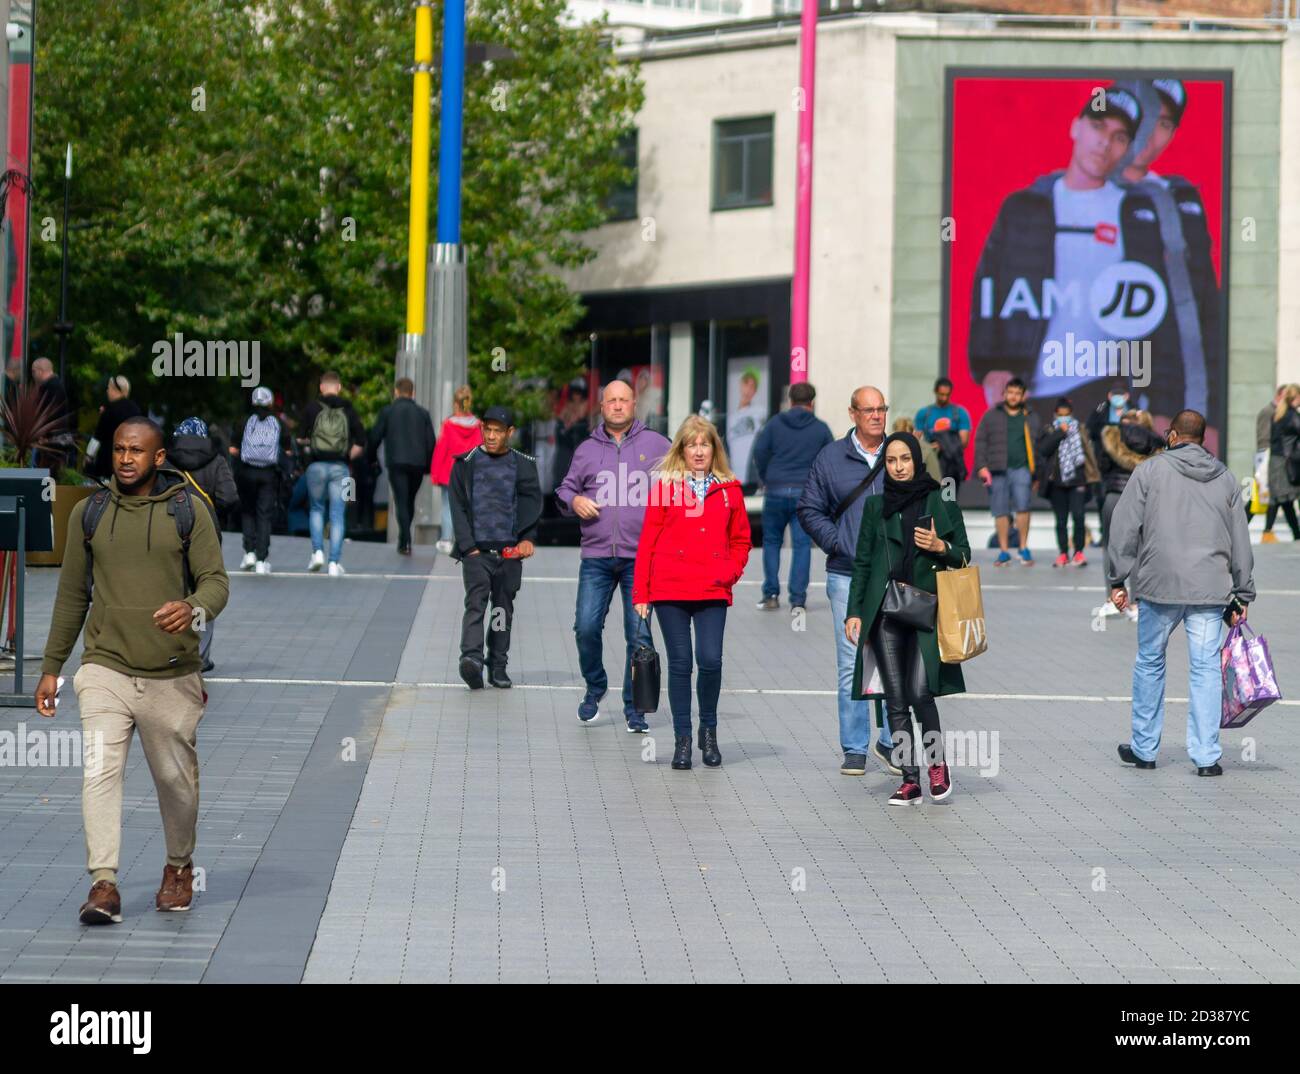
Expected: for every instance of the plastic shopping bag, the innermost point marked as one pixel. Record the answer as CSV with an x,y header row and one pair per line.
x,y
1249,683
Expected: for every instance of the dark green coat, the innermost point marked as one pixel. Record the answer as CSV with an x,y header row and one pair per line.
x,y
871,574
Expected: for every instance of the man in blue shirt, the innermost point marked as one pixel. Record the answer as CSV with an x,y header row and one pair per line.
x,y
947,427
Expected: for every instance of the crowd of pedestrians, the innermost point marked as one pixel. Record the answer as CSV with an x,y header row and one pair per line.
x,y
665,524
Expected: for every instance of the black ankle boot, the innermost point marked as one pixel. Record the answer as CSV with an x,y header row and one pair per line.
x,y
682,754
709,746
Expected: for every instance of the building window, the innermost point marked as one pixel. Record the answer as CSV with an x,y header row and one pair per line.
x,y
621,202
742,163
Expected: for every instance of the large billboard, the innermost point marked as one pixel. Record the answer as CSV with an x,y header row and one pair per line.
x,y
1085,212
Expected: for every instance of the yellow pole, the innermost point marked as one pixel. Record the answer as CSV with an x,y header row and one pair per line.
x,y
417,252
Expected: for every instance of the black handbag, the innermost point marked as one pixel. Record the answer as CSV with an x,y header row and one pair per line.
x,y
905,603
645,676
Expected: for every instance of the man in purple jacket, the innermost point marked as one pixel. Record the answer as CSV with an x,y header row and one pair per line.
x,y
608,487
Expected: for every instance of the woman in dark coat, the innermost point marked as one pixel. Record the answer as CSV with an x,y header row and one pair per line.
x,y
1282,491
119,408
892,545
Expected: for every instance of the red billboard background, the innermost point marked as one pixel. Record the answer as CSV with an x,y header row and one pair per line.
x,y
1004,132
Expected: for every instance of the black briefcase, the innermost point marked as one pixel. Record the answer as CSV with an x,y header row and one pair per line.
x,y
645,679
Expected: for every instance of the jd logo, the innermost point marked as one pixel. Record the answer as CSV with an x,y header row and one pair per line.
x,y
972,633
1128,300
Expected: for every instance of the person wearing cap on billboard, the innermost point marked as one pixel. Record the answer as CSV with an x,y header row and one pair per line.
x,y
1033,289
257,479
496,504
1073,289
1183,352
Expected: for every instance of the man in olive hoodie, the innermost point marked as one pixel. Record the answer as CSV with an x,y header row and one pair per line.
x,y
140,665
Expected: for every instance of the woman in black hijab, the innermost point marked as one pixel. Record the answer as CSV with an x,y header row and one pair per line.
x,y
908,535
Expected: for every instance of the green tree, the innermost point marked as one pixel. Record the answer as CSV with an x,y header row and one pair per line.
x,y
243,173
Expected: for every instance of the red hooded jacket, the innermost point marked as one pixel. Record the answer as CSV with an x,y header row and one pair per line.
x,y
456,438
690,551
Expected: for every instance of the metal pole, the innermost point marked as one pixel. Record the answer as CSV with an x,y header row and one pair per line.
x,y
20,595
417,251
803,196
451,128
63,327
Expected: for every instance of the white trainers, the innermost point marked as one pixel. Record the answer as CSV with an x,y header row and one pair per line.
x,y
263,566
444,547
248,562
336,570
316,562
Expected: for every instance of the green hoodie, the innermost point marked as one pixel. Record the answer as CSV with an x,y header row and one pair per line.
x,y
138,569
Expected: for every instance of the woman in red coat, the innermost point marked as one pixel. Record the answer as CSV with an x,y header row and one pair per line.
x,y
461,432
694,546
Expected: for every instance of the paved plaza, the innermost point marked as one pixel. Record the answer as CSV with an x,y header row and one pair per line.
x,y
365,818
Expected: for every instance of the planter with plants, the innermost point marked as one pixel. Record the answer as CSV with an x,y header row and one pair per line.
x,y
30,425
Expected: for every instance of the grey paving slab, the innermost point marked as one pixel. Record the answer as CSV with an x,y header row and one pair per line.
x,y
494,838
274,791
616,868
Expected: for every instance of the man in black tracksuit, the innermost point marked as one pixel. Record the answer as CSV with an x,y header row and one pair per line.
x,y
496,503
1009,324
406,431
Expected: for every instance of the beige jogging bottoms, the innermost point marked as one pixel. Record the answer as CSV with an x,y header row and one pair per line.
x,y
166,712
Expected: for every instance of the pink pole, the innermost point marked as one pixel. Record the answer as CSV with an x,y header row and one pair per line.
x,y
803,197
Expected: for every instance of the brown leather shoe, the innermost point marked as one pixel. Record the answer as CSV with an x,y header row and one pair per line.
x,y
103,906
177,889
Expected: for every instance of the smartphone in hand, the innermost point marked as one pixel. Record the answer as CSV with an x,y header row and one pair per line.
x,y
925,522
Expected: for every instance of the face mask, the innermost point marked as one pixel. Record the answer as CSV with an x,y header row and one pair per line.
x,y
1117,401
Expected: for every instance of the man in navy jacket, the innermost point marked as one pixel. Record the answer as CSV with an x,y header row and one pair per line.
x,y
831,511
784,453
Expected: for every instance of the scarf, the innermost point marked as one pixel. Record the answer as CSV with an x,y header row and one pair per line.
x,y
906,499
700,485
1070,455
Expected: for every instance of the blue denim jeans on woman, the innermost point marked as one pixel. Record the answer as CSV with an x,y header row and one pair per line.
x,y
598,577
325,480
710,619
1204,627
855,716
778,512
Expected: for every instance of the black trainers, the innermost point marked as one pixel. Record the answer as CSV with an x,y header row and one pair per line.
x,y
499,679
1127,755
472,672
884,755
855,764
1215,769
908,793
709,746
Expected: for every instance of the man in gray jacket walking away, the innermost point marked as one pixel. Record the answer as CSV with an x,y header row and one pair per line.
x,y
1179,539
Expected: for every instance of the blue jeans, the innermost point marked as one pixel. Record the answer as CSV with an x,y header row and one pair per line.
x,y
855,716
779,511
710,619
597,580
1204,627
326,478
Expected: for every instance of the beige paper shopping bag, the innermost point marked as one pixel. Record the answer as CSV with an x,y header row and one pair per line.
x,y
960,620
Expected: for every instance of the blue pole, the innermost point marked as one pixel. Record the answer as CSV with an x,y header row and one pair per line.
x,y
450,130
